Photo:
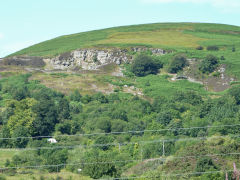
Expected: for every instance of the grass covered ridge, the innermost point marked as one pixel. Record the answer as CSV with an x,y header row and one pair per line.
x,y
178,36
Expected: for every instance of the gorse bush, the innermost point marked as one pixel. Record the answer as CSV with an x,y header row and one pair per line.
x,y
233,49
144,65
212,48
178,63
205,164
200,48
209,64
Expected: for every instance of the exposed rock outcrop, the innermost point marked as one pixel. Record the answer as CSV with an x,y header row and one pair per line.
x,y
31,61
92,59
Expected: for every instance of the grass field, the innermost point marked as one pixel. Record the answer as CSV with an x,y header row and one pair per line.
x,y
4,155
161,86
38,175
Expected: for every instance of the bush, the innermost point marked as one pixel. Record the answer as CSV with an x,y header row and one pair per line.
x,y
212,48
199,48
205,164
235,93
144,65
75,96
178,63
98,170
222,58
164,117
233,49
209,64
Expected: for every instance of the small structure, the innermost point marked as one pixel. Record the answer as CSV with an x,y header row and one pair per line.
x,y
52,140
181,77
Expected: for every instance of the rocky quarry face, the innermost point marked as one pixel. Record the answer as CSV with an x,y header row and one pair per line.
x,y
92,59
85,59
31,61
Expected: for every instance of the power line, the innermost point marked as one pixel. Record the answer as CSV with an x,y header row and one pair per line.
x,y
113,162
116,144
124,132
170,175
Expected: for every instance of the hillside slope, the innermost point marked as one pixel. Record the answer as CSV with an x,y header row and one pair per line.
x,y
162,35
165,109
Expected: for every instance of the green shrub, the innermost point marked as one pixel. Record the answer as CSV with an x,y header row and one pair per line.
x,y
75,96
212,48
233,49
209,64
199,48
205,164
235,93
2,177
178,63
98,170
216,74
144,65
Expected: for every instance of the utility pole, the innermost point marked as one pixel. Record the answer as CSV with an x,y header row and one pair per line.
x,y
236,173
226,177
119,147
163,148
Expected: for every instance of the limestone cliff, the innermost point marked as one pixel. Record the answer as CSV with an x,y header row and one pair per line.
x,y
86,59
92,59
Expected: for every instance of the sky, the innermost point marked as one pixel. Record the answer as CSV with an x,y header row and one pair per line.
x,y
27,22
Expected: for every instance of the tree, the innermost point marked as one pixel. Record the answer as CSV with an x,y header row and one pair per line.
x,y
119,113
209,64
23,115
46,117
65,127
177,64
5,133
100,97
164,117
190,97
97,170
20,131
63,109
75,107
20,93
104,140
118,125
75,96
144,65
53,157
104,124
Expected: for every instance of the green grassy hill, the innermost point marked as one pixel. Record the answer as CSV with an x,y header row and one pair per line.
x,y
162,35
180,37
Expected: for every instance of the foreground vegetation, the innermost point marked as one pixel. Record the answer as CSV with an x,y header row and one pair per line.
x,y
30,109
143,124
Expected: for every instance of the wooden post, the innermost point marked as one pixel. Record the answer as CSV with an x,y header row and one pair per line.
x,y
226,176
163,148
236,173
119,147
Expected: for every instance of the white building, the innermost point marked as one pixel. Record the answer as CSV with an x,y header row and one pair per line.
x,y
52,140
